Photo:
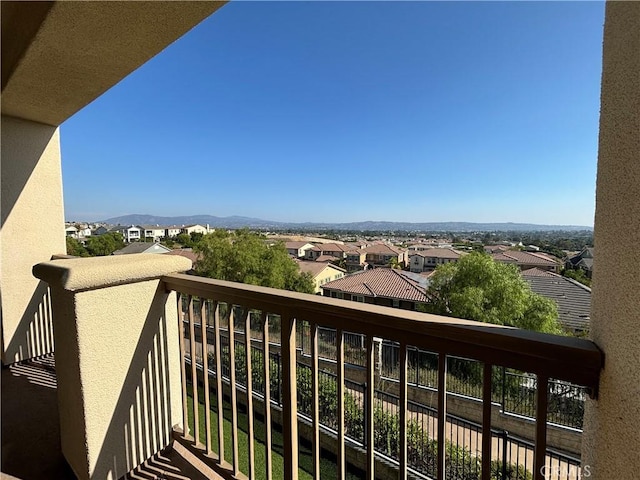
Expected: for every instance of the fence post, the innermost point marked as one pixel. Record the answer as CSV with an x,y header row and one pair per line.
x,y
505,440
504,387
279,376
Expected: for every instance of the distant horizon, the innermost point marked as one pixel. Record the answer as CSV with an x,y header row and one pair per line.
x,y
335,111
310,222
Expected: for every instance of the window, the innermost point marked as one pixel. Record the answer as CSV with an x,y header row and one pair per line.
x,y
396,303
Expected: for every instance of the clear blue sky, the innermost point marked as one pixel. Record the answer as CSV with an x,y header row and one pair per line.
x,y
332,111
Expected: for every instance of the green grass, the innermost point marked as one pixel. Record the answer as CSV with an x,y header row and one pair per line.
x,y
328,468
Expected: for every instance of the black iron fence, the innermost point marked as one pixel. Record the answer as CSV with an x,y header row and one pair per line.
x,y
512,457
514,391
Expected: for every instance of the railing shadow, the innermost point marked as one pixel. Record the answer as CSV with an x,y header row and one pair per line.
x,y
30,426
140,426
33,336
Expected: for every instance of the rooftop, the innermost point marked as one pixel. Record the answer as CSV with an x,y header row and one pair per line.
x,y
380,282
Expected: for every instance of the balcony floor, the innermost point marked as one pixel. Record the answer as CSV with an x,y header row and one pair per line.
x,y
31,431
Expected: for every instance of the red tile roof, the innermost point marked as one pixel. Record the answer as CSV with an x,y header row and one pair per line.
x,y
384,249
525,258
536,272
326,258
438,253
314,268
380,282
291,245
185,252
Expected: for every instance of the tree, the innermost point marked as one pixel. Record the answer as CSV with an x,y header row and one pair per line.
x,y
578,275
184,239
75,248
395,264
478,288
245,257
105,244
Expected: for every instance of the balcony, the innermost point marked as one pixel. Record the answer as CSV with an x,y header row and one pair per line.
x,y
148,371
124,379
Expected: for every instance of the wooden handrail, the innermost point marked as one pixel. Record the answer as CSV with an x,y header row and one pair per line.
x,y
564,358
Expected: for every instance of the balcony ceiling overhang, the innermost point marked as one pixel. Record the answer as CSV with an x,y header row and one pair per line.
x,y
59,56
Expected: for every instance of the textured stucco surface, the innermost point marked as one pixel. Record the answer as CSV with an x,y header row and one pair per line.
x,y
612,423
118,361
32,230
76,274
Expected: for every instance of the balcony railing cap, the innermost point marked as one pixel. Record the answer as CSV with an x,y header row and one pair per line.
x,y
79,274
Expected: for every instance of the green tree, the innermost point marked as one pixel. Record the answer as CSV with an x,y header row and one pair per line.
x,y
478,288
245,257
578,275
75,248
395,264
106,244
184,239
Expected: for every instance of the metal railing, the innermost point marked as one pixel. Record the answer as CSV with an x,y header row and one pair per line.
x,y
514,391
545,356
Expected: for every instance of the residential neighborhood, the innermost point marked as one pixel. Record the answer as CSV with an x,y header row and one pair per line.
x,y
387,270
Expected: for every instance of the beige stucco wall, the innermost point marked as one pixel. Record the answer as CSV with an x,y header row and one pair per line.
x,y
612,423
328,274
117,359
32,231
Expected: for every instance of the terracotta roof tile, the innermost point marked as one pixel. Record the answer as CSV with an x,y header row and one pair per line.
x,y
380,282
439,253
526,258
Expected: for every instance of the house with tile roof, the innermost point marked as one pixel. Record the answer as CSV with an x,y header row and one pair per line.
x,y
336,250
572,298
380,286
355,260
382,254
297,249
322,273
427,260
527,260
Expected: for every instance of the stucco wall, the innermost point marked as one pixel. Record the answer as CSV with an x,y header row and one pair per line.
x,y
612,423
32,231
117,359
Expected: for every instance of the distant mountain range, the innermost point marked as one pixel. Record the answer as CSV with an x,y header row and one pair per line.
x,y
239,222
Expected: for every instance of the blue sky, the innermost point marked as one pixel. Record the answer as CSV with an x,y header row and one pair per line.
x,y
353,111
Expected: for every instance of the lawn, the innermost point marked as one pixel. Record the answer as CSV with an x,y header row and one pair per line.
x,y
328,468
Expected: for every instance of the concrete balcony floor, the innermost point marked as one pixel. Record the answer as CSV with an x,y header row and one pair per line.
x,y
31,432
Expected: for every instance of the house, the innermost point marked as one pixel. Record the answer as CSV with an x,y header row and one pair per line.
x,y
130,234
101,393
322,272
582,261
380,286
495,248
355,260
172,231
155,232
429,259
142,247
572,298
383,254
71,231
297,249
526,260
101,230
336,250
189,229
